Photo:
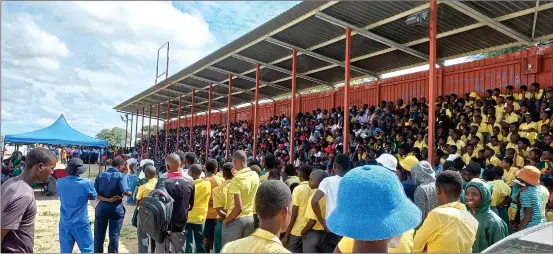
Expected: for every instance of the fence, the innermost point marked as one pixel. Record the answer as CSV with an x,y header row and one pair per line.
x,y
516,69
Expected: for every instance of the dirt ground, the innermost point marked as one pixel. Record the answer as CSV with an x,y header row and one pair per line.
x,y
48,216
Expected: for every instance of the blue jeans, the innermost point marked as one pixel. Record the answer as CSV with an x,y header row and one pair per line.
x,y
100,227
131,180
81,235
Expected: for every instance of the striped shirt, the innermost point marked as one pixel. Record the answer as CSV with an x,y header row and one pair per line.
x,y
532,198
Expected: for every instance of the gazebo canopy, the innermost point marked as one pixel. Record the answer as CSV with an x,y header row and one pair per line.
x,y
59,133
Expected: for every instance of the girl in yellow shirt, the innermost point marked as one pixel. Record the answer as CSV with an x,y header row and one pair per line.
x,y
509,171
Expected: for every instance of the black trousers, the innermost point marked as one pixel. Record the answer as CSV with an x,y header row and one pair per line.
x,y
330,241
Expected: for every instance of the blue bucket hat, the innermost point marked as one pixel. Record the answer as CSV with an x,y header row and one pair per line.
x,y
372,206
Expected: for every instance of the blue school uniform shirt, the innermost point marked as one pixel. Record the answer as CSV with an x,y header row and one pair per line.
x,y
74,193
532,198
108,184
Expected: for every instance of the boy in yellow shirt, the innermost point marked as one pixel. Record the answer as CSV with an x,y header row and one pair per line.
x,y
197,216
221,203
292,239
211,167
273,201
313,232
491,159
143,191
449,227
500,192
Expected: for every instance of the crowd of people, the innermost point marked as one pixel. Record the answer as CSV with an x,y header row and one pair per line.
x,y
491,176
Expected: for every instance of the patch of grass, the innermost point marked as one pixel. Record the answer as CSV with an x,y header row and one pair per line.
x,y
50,213
128,233
41,230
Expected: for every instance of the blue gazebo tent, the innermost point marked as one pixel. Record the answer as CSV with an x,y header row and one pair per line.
x,y
59,133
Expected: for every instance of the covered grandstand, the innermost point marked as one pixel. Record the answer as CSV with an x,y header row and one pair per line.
x,y
327,43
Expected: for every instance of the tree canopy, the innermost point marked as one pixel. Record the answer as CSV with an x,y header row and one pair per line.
x,y
114,136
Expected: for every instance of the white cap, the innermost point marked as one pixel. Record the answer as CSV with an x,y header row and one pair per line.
x,y
388,161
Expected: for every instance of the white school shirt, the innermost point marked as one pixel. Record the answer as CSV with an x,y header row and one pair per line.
x,y
329,186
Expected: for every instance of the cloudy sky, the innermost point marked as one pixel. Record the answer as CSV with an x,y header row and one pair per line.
x,y
81,59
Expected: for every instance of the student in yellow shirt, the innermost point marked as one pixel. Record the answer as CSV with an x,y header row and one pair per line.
x,y
523,147
143,191
292,239
491,159
197,216
313,232
221,203
420,143
509,171
449,227
500,192
273,201
529,127
504,135
292,174
211,167
510,116
494,145
469,154
517,159
239,222
394,216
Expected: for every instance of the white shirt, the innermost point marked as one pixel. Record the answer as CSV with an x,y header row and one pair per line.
x,y
329,186
184,175
185,172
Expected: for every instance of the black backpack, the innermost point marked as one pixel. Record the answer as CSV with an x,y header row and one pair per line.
x,y
155,214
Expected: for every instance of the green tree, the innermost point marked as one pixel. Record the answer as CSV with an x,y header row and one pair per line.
x,y
115,136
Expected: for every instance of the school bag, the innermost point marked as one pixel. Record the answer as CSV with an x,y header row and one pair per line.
x,y
155,213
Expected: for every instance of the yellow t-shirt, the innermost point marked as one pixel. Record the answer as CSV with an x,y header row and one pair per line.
x,y
292,179
494,161
405,244
221,197
215,181
502,138
459,144
467,158
145,189
511,118
500,191
509,176
310,214
245,184
526,126
202,193
300,196
420,144
261,241
496,149
447,228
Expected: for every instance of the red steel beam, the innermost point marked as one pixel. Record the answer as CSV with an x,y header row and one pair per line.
x,y
130,135
293,106
149,132
208,122
126,128
167,125
178,123
227,155
157,127
346,90
432,80
136,128
142,138
192,123
255,113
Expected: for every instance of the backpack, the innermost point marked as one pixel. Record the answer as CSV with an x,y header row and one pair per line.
x,y
155,214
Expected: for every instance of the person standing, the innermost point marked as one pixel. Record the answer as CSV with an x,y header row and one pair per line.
x,y
329,190
449,227
221,203
111,185
143,191
197,216
292,239
313,232
239,222
425,193
182,191
18,204
74,193
211,167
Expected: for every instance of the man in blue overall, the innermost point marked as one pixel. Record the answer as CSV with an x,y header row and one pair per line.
x,y
74,193
111,186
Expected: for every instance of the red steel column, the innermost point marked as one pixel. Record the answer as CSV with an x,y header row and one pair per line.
x,y
227,155
346,91
178,122
293,106
149,132
432,81
255,115
208,122
192,123
126,128
157,128
167,125
142,138
130,136
136,128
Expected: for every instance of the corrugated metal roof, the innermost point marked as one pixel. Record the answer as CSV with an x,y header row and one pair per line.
x,y
299,28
